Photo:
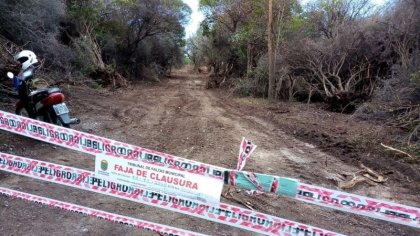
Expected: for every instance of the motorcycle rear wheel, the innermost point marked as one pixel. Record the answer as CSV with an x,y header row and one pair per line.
x,y
53,119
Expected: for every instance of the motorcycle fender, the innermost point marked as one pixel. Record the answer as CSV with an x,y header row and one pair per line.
x,y
64,118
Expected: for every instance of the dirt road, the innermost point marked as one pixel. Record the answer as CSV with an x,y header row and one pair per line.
x,y
179,116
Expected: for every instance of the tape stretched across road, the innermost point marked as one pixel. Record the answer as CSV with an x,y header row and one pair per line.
x,y
361,205
92,144
119,219
221,213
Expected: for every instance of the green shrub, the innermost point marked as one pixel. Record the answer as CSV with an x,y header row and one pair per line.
x,y
255,85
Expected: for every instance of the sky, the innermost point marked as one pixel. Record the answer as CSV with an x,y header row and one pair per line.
x,y
378,2
197,16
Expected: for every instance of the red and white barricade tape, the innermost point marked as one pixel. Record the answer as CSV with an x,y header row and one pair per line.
x,y
245,150
93,144
124,220
361,205
221,213
379,209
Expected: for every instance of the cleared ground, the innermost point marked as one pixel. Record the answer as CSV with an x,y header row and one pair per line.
x,y
179,116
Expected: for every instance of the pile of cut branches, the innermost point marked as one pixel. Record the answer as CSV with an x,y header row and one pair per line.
x,y
7,51
407,118
108,76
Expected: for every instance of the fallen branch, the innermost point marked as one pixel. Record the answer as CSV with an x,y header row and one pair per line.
x,y
355,180
414,133
244,203
369,172
365,175
396,150
228,195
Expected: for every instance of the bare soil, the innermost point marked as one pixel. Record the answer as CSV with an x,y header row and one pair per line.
x,y
179,116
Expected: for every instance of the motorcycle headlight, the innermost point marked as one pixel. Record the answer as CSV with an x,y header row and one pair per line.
x,y
27,74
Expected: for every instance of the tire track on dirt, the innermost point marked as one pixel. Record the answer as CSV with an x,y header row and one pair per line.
x,y
279,154
180,117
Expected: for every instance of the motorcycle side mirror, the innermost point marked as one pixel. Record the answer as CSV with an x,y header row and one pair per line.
x,y
10,75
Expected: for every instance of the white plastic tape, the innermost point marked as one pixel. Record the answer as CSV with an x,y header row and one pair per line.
x,y
93,144
119,219
379,209
221,213
245,150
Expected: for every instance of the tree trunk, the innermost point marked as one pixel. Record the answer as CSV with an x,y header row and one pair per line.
x,y
271,80
250,58
279,24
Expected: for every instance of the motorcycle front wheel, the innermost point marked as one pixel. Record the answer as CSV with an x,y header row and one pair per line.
x,y
22,112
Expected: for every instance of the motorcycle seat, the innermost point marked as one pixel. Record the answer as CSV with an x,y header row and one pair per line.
x,y
42,93
45,91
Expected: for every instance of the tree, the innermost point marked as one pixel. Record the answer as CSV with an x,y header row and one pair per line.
x,y
86,15
402,26
152,17
271,79
329,16
121,33
35,26
234,28
143,22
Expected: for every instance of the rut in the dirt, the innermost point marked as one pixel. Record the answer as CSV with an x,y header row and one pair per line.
x,y
179,116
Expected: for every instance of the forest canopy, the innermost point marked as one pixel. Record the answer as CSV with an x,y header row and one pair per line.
x,y
99,38
350,55
336,51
